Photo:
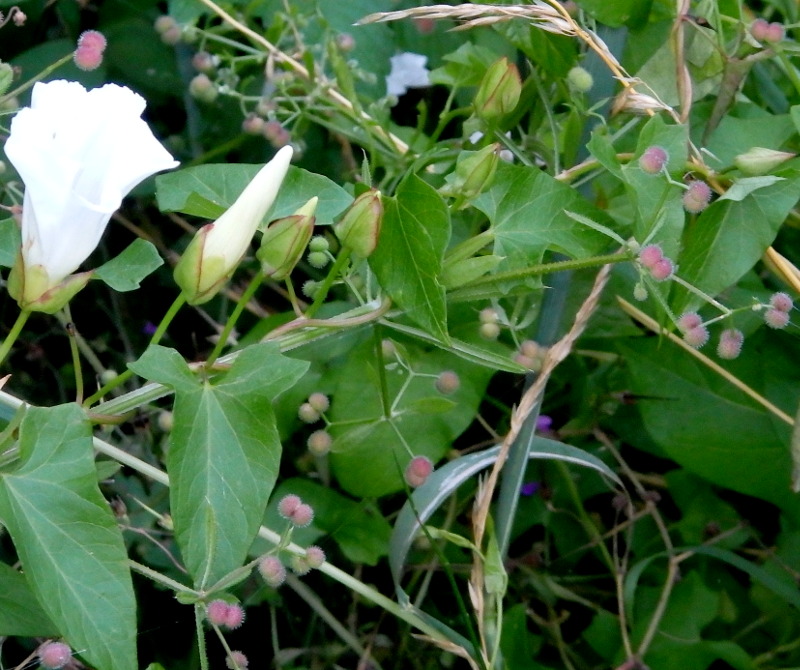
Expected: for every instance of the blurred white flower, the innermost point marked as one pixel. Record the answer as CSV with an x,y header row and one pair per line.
x,y
408,71
79,153
217,248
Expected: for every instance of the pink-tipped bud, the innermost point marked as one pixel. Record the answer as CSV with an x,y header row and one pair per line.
x,y
307,413
530,348
315,556
54,655
650,255
696,337
696,197
319,401
288,505
777,319
89,54
662,270
234,617
302,516
276,134
203,89
217,612
237,661
782,302
730,343
272,570
319,442
203,61
418,470
688,321
447,382
653,160
252,124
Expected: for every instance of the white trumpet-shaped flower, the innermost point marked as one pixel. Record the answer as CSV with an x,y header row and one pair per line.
x,y
218,247
79,153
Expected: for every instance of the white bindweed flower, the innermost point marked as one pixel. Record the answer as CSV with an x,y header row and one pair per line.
x,y
218,247
79,153
408,71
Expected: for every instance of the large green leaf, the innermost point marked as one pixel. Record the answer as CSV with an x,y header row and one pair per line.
x,y
20,613
69,544
208,190
707,425
126,271
527,209
408,259
730,236
224,453
370,450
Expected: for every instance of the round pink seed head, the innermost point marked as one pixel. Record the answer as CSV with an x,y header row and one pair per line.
x,y
730,343
653,160
92,39
288,505
696,337
662,270
252,124
775,33
759,29
217,612
777,319
530,348
447,382
696,197
234,617
319,401
319,442
315,556
272,570
650,255
54,654
203,61
418,470
237,661
781,302
89,54
688,321
302,516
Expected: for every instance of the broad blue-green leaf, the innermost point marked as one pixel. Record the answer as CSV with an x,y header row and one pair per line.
x,y
526,208
9,241
69,544
224,454
445,480
208,190
126,271
20,613
730,236
408,260
707,425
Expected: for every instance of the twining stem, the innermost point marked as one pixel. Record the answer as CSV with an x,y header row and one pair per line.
x,y
160,579
127,374
38,77
76,361
199,618
322,291
234,317
16,329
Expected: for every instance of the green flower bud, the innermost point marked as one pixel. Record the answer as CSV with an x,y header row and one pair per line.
x,y
580,79
474,173
499,91
32,289
6,75
285,240
758,161
360,227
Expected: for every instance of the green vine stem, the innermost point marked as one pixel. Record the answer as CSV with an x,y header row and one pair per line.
x,y
12,336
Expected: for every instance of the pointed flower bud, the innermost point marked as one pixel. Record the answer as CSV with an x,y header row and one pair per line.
x,y
474,173
285,240
360,227
758,160
499,91
217,248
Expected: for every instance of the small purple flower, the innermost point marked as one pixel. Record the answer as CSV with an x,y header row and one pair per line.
x,y
529,488
149,328
544,423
